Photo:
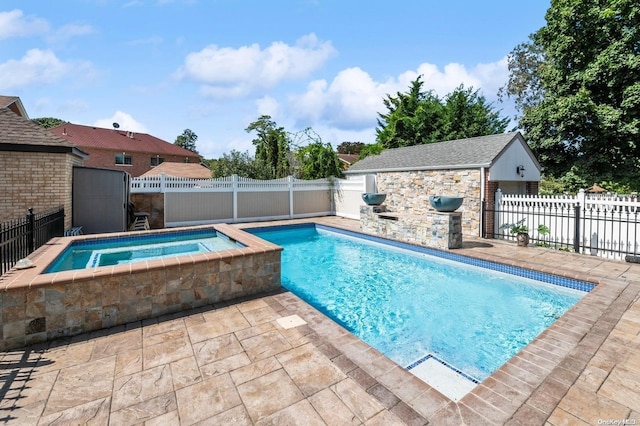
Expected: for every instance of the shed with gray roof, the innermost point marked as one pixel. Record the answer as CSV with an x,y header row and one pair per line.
x,y
473,168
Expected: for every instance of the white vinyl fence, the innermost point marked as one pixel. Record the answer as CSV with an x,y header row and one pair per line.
x,y
592,224
237,199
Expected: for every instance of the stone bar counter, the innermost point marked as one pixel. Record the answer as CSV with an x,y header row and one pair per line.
x,y
433,229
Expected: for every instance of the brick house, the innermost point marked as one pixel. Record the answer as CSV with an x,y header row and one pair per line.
x,y
36,166
473,168
115,149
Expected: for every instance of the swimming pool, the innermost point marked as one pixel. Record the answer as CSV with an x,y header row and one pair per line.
x,y
93,253
467,314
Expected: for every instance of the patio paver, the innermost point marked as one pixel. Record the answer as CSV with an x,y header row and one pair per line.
x,y
235,364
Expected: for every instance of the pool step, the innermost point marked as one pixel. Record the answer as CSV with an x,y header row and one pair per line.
x,y
442,377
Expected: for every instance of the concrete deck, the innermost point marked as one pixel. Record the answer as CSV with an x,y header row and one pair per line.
x,y
276,360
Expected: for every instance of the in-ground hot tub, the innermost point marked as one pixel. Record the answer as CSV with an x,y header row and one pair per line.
x,y
38,306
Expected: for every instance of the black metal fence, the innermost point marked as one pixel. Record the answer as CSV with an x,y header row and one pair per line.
x,y
586,227
19,238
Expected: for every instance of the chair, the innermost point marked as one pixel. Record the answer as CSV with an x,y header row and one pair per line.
x,y
141,222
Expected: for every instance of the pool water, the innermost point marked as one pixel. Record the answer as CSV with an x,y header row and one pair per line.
x,y
94,253
408,304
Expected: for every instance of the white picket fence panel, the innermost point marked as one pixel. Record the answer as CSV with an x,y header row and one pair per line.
x,y
607,225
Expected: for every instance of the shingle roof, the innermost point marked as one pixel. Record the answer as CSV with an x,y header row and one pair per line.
x,y
119,140
5,101
186,170
480,151
17,130
13,103
348,158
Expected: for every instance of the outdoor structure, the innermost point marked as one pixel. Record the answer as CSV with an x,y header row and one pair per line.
x,y
472,168
135,153
36,166
184,170
347,160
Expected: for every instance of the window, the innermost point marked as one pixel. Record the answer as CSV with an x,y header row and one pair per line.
x,y
123,160
156,161
186,159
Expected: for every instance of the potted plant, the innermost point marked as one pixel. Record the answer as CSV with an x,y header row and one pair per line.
x,y
520,230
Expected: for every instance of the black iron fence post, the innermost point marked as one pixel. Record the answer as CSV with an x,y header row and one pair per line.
x,y
576,228
31,234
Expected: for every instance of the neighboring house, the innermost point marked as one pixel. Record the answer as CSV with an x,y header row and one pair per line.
x,y
473,168
36,166
135,153
347,160
185,170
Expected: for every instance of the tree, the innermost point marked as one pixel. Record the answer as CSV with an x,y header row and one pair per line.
x,y
272,146
467,114
241,164
350,147
370,149
413,118
316,160
576,83
419,117
187,140
48,122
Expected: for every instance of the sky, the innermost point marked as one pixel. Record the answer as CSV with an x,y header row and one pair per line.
x,y
215,66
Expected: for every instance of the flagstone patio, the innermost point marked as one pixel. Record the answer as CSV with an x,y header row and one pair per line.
x,y
275,360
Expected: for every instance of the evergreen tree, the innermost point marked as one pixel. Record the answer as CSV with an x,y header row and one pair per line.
x,y
419,117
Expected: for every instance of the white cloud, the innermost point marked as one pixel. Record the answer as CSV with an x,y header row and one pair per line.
x,y
230,72
15,24
353,99
268,106
35,67
126,122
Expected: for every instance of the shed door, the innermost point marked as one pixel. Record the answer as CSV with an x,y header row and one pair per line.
x,y
100,199
513,187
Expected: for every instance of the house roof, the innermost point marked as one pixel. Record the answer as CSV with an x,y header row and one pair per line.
x,y
14,104
475,152
21,134
118,140
348,158
596,189
186,170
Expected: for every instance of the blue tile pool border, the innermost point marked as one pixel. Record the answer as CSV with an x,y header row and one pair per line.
x,y
142,238
486,264
145,237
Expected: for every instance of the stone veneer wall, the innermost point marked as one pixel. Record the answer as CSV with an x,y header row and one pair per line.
x,y
432,229
40,180
36,308
152,203
408,192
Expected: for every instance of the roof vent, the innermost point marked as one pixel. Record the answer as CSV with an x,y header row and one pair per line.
x,y
64,131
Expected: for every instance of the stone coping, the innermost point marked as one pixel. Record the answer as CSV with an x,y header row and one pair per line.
x,y
42,258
